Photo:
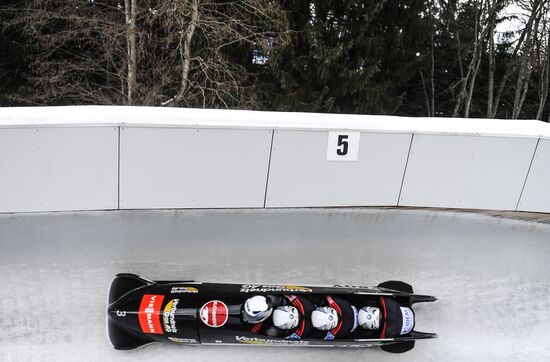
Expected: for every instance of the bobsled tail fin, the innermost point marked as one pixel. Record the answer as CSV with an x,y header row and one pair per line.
x,y
407,288
124,283
400,347
122,339
397,285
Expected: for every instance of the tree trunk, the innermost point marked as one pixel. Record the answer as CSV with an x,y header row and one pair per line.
x,y
473,67
185,51
524,94
511,63
425,94
131,17
545,71
458,43
522,75
472,84
491,75
526,64
432,69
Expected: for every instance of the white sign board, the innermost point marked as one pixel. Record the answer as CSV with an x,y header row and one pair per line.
x,y
343,146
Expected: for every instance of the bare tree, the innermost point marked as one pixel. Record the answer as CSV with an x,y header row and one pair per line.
x,y
130,10
453,15
527,55
492,67
148,52
512,63
486,12
428,105
432,58
430,100
208,30
542,50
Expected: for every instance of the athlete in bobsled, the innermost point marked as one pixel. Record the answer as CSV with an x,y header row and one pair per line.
x,y
388,319
286,316
333,318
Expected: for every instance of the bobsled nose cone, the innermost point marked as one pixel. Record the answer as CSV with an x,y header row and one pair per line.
x,y
111,309
118,309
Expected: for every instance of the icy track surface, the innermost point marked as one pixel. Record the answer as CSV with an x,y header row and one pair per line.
x,y
492,276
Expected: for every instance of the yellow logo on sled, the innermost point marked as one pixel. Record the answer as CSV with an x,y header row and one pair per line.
x,y
169,316
178,290
296,288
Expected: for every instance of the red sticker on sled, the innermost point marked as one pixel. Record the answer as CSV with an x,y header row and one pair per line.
x,y
149,313
214,313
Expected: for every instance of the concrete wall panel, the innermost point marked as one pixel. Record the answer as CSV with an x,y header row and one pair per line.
x,y
301,174
56,169
477,172
536,194
193,168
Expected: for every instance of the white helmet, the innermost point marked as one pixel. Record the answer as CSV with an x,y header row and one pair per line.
x,y
324,318
369,317
256,309
286,317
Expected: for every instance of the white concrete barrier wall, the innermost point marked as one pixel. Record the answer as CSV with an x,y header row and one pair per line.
x,y
302,176
536,193
92,158
475,172
58,168
193,167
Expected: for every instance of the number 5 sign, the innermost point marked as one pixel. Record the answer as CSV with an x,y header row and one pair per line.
x,y
343,146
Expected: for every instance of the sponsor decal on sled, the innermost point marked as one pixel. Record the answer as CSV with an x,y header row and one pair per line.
x,y
252,288
408,320
179,290
149,313
169,316
255,340
214,313
182,340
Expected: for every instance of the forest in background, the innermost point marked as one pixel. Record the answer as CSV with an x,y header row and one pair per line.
x,y
444,58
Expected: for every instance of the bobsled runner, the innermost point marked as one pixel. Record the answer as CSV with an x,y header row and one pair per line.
x,y
142,311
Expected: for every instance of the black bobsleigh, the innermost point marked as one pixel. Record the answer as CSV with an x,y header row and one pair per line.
x,y
141,311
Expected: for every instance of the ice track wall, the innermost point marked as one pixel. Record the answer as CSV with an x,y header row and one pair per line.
x,y
92,158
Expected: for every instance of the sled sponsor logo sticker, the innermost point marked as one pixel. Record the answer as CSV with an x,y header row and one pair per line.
x,y
408,320
179,290
169,316
255,340
149,313
294,337
182,340
214,313
254,288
